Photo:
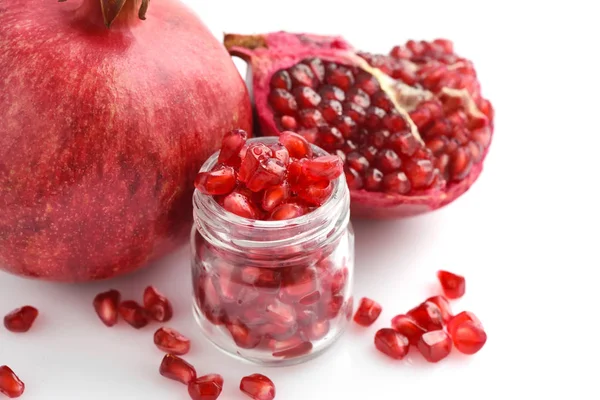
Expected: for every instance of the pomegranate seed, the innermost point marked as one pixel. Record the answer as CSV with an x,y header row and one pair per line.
x,y
324,167
461,318
302,75
373,179
231,145
469,337
334,306
408,327
354,111
297,146
280,313
283,102
317,67
21,319
339,76
269,173
476,151
330,109
359,97
381,100
279,152
317,330
452,284
10,384
387,161
404,143
370,153
317,193
391,343
289,123
338,280
217,182
357,162
368,83
298,283
281,80
345,125
310,298
291,348
171,341
287,211
207,387
373,118
396,182
242,336
255,153
368,312
177,368
395,123
311,118
428,315
274,196
444,307
328,92
106,305
240,205
267,280
134,314
460,164
353,179
379,139
306,97
419,173
258,387
330,137
435,345
157,305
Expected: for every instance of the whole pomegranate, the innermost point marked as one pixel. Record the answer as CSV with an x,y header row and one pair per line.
x,y
105,119
411,126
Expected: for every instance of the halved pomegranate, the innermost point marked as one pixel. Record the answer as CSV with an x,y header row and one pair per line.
x,y
412,127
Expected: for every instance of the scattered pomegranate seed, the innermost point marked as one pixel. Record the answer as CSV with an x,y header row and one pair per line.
x,y
452,284
469,337
207,387
444,307
171,341
157,305
258,387
435,345
367,313
134,314
460,318
391,343
428,315
408,327
177,368
10,384
21,319
106,305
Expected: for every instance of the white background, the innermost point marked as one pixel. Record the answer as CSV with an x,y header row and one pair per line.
x,y
525,236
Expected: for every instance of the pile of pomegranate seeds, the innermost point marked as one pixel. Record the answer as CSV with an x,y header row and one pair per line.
x,y
269,182
171,341
21,319
258,387
423,326
368,312
10,384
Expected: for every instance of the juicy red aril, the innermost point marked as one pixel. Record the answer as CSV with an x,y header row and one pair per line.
x,y
240,205
317,193
330,109
428,315
329,92
444,307
287,211
21,319
317,67
106,305
291,348
435,345
330,138
396,182
367,83
297,146
279,152
367,313
355,112
469,337
231,145
452,284
216,182
258,387
134,314
459,319
274,196
387,161
419,173
255,153
306,97
281,80
242,336
177,368
391,343
323,168
207,387
10,384
333,307
288,122
317,330
171,341
357,162
283,102
302,75
339,76
298,283
408,327
311,118
373,180
158,307
359,97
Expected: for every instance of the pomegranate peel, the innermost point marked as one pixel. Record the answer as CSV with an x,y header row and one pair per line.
x,y
421,97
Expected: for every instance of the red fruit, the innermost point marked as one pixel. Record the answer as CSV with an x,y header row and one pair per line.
x,y
333,307
297,146
428,315
142,106
207,387
240,205
397,104
444,307
171,341
298,283
368,312
287,211
133,314
291,348
10,384
21,319
177,368
106,305
231,145
459,319
242,336
391,343
317,330
258,387
435,345
408,327
216,182
452,284
469,337
157,306
274,196
323,168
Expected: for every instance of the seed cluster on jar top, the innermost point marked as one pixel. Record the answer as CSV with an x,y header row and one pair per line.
x,y
275,181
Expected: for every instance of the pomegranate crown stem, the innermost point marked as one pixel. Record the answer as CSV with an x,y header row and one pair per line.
x,y
112,8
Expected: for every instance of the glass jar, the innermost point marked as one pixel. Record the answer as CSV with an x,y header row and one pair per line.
x,y
273,292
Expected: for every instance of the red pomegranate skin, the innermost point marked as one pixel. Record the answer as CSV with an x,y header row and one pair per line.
x,y
102,132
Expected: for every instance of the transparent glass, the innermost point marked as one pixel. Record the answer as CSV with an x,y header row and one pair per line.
x,y
273,292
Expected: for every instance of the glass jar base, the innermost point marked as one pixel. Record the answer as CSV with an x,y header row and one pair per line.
x,y
268,360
